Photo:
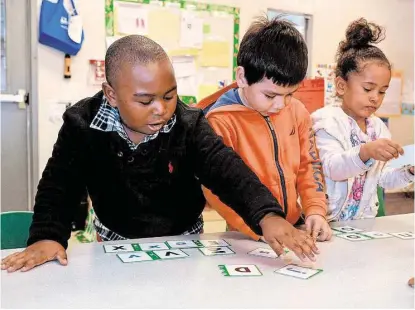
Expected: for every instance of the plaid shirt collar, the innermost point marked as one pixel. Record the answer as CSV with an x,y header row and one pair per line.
x,y
108,119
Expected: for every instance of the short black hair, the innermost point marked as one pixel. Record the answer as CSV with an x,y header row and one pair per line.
x,y
274,49
358,47
133,49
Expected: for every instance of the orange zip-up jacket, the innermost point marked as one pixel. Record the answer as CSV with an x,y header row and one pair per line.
x,y
279,148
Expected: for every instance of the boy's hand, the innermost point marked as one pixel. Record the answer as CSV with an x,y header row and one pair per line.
x,y
381,149
36,254
318,228
278,233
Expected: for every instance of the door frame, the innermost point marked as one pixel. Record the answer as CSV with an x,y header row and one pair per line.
x,y
33,145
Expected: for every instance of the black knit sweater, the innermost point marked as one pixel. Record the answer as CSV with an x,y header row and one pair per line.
x,y
152,191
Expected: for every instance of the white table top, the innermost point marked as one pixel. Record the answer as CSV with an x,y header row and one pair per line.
x,y
365,274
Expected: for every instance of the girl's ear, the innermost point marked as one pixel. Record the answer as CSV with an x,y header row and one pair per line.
x,y
341,86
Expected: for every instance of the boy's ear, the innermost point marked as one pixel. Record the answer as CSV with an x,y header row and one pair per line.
x,y
341,86
240,77
110,94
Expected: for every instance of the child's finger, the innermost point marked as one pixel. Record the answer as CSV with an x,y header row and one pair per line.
x,y
17,263
296,248
30,264
391,151
397,147
316,231
386,155
6,261
62,258
308,227
307,246
11,261
277,247
324,235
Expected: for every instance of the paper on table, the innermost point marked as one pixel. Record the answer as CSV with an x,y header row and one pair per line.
x,y
191,30
215,54
130,18
406,159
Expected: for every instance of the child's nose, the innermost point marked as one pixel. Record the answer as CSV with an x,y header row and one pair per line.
x,y
279,101
374,98
160,107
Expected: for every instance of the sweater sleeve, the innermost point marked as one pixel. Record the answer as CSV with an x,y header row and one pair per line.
x,y
60,188
339,164
221,170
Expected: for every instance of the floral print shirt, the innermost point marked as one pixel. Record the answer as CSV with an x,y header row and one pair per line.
x,y
357,137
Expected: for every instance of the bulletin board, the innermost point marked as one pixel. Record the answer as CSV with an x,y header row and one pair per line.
x,y
201,39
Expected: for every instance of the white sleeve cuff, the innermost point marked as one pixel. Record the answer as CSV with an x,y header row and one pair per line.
x,y
365,166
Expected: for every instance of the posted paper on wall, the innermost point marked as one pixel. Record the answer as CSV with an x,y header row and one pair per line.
x,y
215,54
130,18
191,30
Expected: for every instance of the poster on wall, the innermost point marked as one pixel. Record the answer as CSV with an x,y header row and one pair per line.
x,y
326,72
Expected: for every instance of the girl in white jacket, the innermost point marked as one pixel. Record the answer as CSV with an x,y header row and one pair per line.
x,y
354,145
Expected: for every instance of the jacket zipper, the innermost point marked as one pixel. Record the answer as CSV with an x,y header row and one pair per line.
x,y
281,173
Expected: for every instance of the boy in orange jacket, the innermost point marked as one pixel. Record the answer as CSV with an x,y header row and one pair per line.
x,y
259,118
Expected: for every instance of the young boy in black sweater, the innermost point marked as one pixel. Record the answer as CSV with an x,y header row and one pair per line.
x,y
143,156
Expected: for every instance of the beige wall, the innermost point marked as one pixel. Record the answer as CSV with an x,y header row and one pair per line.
x,y
330,19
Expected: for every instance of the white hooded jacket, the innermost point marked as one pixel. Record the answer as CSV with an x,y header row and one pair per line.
x,y
341,163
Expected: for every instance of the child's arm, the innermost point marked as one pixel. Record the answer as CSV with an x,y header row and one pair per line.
x,y
231,217
310,181
61,186
338,164
392,178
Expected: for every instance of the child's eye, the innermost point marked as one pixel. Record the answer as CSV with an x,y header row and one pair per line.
x,y
366,89
269,97
168,98
382,92
146,102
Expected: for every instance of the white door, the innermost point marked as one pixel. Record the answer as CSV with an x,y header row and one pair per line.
x,y
16,110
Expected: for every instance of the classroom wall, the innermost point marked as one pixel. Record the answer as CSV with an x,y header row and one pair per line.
x,y
330,19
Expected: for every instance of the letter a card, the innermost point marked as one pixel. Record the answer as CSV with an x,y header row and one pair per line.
x,y
136,257
240,270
